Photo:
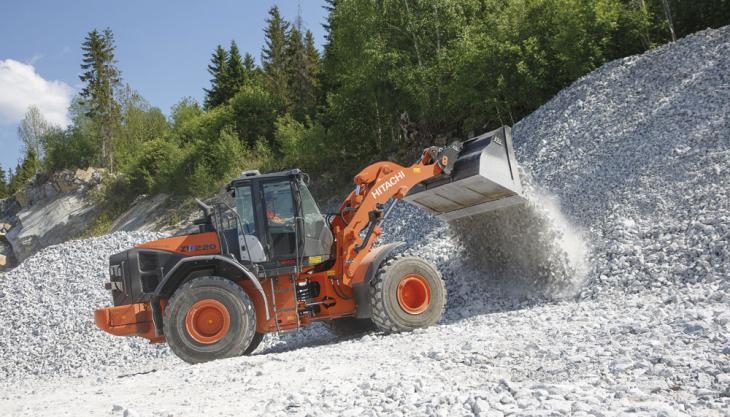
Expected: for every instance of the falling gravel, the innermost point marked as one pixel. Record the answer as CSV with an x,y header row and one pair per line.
x,y
531,250
627,176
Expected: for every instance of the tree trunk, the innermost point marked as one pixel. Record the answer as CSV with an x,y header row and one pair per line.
x,y
668,14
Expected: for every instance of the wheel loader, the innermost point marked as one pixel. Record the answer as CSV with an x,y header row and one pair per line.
x,y
278,264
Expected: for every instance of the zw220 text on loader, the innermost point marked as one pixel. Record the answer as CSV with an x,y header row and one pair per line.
x,y
280,264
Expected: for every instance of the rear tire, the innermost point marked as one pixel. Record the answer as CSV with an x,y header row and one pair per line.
x,y
406,293
209,318
349,326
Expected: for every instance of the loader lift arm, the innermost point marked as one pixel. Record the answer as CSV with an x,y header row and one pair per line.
x,y
374,187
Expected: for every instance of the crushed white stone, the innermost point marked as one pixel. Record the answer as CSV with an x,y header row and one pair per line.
x,y
47,309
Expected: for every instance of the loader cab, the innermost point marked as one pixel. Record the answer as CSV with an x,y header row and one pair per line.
x,y
280,226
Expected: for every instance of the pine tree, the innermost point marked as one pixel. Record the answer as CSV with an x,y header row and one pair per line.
x,y
297,75
330,7
101,78
273,56
314,64
249,65
236,71
217,68
302,74
13,181
24,171
3,184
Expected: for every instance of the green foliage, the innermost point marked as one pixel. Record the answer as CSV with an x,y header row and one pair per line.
x,y
313,65
32,129
75,147
25,171
684,17
249,65
214,162
691,15
302,68
403,74
4,191
157,168
140,123
254,110
183,113
301,145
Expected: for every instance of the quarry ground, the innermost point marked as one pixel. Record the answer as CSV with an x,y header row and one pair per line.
x,y
614,356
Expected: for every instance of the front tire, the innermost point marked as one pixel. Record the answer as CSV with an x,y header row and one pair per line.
x,y
407,293
255,342
209,318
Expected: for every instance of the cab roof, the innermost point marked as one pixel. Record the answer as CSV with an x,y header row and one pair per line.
x,y
247,176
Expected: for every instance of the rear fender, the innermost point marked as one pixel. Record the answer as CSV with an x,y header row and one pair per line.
x,y
178,274
360,286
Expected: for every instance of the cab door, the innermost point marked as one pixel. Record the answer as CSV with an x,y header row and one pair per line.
x,y
280,216
250,240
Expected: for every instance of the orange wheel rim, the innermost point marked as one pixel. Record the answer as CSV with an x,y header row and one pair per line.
x,y
414,294
208,321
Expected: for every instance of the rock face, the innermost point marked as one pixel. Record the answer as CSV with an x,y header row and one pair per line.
x,y
43,225
47,211
142,216
5,249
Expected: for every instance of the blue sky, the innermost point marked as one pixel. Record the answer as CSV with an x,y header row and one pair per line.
x,y
163,49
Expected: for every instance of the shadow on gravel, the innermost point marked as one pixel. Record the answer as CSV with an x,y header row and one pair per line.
x,y
474,294
313,336
151,371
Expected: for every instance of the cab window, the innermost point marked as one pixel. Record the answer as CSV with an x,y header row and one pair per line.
x,y
313,219
244,206
280,215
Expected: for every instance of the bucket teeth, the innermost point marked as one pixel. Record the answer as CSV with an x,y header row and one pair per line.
x,y
483,178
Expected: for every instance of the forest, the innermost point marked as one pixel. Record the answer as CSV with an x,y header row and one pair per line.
x,y
393,77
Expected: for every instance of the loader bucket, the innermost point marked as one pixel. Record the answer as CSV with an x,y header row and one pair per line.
x,y
484,178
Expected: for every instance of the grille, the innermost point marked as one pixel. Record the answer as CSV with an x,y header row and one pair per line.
x,y
149,282
147,261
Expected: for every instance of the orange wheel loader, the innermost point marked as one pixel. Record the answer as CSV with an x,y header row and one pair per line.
x,y
278,264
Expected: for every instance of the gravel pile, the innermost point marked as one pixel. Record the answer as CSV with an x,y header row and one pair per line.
x,y
638,152
47,308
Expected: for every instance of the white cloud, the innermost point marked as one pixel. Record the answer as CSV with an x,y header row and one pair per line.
x,y
22,87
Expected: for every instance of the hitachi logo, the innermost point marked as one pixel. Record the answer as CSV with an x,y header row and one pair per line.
x,y
390,182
